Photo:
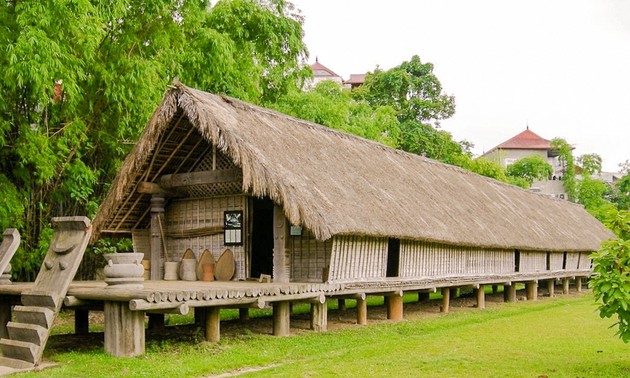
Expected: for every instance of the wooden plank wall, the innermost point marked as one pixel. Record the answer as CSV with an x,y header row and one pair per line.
x,y
309,257
196,213
573,261
420,259
555,260
533,261
356,258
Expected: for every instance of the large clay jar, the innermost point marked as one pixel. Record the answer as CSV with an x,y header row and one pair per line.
x,y
189,269
124,270
170,270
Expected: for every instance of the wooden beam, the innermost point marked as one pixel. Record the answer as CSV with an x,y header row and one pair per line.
x,y
124,330
509,293
213,324
395,308
551,287
361,311
281,318
481,297
281,262
319,317
446,300
179,180
150,188
578,284
531,291
565,286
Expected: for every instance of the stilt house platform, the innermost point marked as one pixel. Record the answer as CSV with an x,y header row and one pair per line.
x,y
320,213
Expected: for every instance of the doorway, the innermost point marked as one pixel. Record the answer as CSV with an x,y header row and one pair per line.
x,y
393,257
262,237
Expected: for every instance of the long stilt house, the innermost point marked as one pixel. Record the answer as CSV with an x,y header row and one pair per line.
x,y
319,205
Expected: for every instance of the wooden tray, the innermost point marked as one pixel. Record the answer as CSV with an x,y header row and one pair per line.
x,y
224,270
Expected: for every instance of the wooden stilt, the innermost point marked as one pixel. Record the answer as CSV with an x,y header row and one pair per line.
x,y
395,308
319,317
243,314
481,297
578,284
509,293
565,286
157,321
341,304
424,297
281,319
495,289
213,324
361,311
551,284
5,317
531,291
81,322
446,300
124,330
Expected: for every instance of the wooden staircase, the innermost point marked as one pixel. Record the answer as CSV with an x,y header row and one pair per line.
x,y
28,333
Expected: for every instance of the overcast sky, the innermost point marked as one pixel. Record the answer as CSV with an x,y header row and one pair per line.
x,y
560,66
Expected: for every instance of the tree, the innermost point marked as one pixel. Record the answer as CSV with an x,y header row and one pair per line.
x,y
610,280
81,78
530,168
590,163
566,157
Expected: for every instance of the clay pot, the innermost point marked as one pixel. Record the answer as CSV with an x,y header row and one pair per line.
x,y
124,270
208,272
170,270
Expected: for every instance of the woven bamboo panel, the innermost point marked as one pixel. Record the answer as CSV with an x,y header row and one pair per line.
x,y
585,261
209,163
573,261
204,214
309,257
533,262
141,240
555,260
214,161
357,258
419,259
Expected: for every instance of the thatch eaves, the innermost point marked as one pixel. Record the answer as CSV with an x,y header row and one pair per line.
x,y
338,184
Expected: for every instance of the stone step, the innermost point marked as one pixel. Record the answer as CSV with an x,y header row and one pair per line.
x,y
31,333
20,350
15,364
42,316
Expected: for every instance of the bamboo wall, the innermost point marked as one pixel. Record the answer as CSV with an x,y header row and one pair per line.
x,y
356,258
533,262
309,257
203,218
418,259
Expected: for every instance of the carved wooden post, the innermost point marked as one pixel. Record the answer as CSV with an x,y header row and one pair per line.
x,y
481,297
124,330
213,324
509,293
395,307
565,286
281,319
280,260
319,317
157,212
578,284
446,299
531,290
362,311
551,287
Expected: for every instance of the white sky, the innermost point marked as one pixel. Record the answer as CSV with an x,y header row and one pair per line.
x,y
561,66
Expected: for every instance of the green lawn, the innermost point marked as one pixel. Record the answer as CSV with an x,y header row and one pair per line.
x,y
561,337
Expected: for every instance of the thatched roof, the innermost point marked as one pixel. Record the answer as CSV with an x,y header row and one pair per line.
x,y
335,183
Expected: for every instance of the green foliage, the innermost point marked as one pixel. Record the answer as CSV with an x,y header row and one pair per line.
x,y
328,104
487,168
610,280
590,163
81,78
530,168
566,157
623,195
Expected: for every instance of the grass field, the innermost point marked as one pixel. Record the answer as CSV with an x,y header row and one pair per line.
x,y
560,337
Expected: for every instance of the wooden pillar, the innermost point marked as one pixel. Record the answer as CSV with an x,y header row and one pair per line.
x,y
565,286
157,212
395,307
446,299
424,296
362,311
81,322
124,330
341,304
213,324
5,316
509,293
281,319
319,317
281,262
243,314
495,289
578,284
551,284
531,290
481,297
157,321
